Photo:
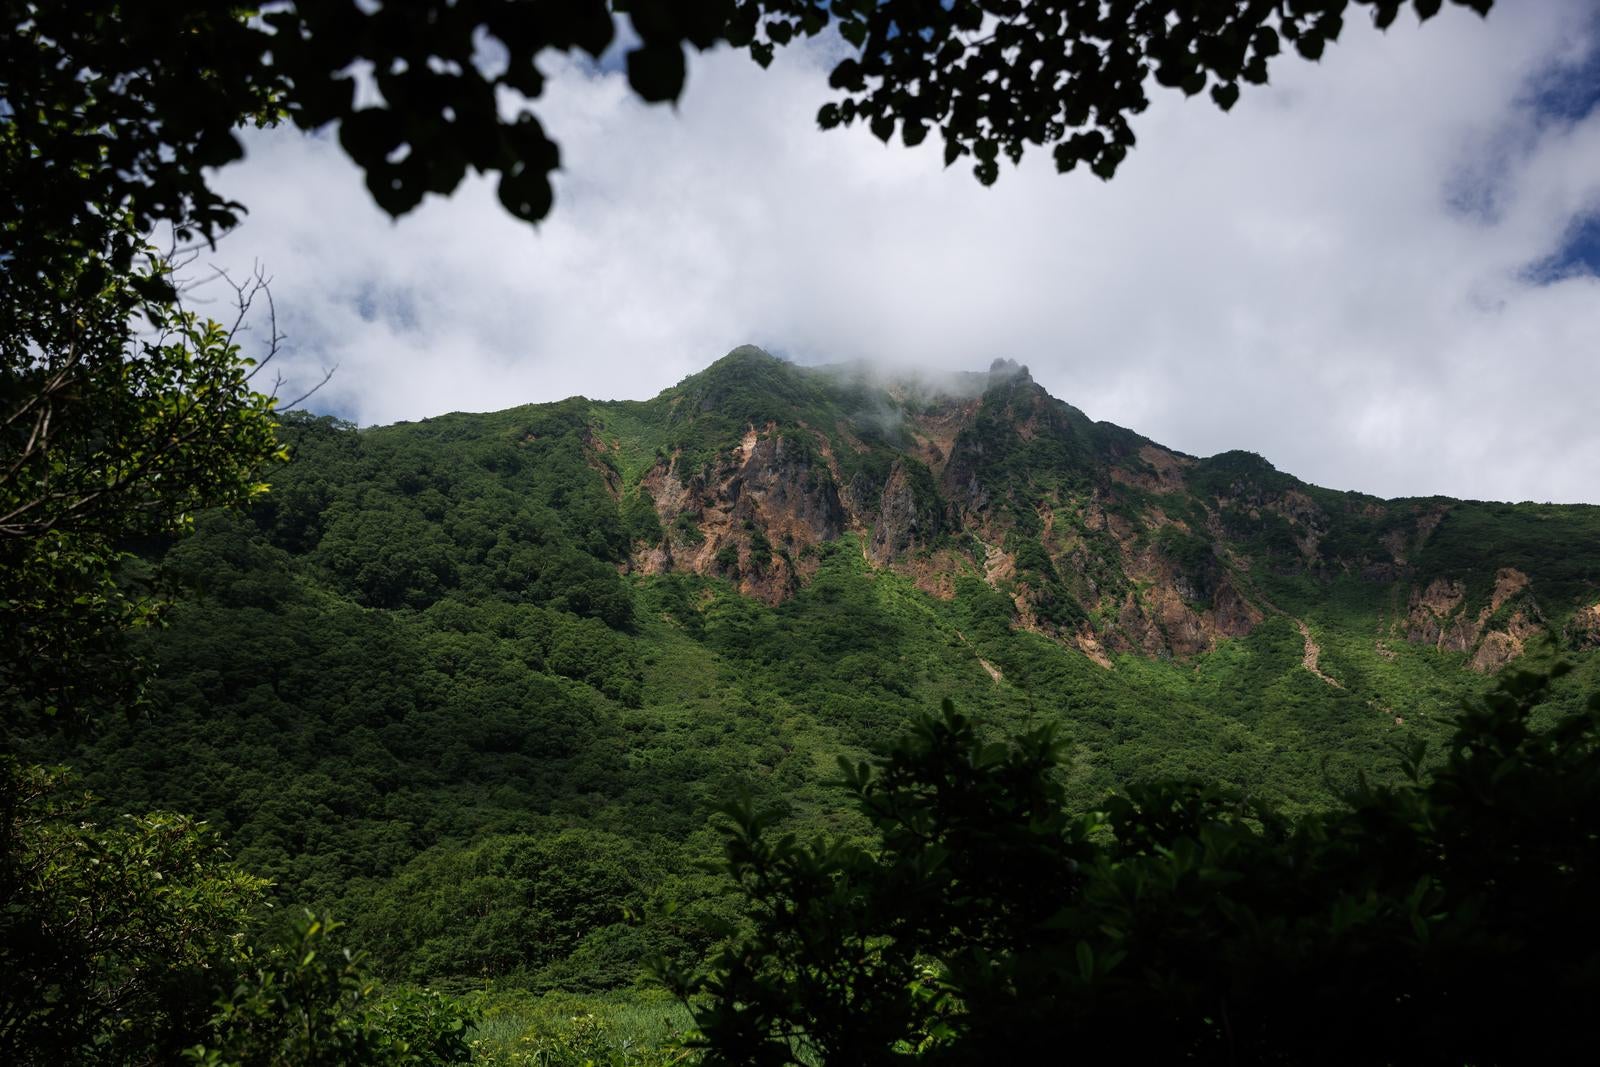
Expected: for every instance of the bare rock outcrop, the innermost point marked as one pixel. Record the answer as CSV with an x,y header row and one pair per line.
x,y
1491,637
1431,612
896,529
764,504
1583,629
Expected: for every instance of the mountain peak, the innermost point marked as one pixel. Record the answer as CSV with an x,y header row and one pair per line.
x,y
1003,369
749,354
743,362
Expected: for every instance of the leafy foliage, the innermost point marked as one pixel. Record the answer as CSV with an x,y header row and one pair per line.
x,y
1475,539
993,77
108,437
130,105
1444,919
553,906
124,943
310,1002
111,937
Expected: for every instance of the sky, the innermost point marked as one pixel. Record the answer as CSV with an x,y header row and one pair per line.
x,y
1381,272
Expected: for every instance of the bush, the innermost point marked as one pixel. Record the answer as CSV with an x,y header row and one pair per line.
x,y
312,1003
113,939
1444,921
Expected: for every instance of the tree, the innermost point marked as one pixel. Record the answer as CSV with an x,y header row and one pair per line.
x,y
1445,921
125,943
115,107
123,415
114,940
993,77
309,1002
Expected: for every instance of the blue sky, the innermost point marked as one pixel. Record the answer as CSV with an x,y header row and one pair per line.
x,y
1578,253
1382,271
1568,94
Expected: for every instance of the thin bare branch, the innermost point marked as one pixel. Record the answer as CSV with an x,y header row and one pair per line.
x,y
327,374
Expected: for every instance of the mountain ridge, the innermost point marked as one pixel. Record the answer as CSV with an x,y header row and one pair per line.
x,y
1103,538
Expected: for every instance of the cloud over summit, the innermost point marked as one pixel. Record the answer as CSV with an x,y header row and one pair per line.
x,y
1374,272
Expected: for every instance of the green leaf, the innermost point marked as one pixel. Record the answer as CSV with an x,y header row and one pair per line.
x,y
527,194
391,191
847,75
370,135
656,71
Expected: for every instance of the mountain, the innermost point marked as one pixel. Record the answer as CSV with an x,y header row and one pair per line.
x,y
1102,539
480,683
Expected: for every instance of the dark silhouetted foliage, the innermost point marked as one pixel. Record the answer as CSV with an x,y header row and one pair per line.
x,y
131,105
1445,920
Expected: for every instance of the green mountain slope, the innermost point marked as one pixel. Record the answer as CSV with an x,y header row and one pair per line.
x,y
478,683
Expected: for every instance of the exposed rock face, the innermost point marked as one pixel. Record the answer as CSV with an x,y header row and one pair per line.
x,y
1395,543
767,502
1431,612
1164,621
998,565
1232,614
1304,517
1495,651
1511,620
1583,630
1310,658
1102,540
961,483
1402,544
1493,636
935,431
1090,646
1160,623
935,573
1158,469
896,530
797,501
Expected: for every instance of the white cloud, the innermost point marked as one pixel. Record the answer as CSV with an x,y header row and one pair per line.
x,y
1331,275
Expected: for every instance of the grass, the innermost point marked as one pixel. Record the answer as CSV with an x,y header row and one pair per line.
x,y
633,1028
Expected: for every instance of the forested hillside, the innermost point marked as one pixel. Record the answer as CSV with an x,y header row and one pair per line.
x,y
799,715
478,684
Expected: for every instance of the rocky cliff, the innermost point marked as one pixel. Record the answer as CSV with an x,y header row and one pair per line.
x,y
1102,539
